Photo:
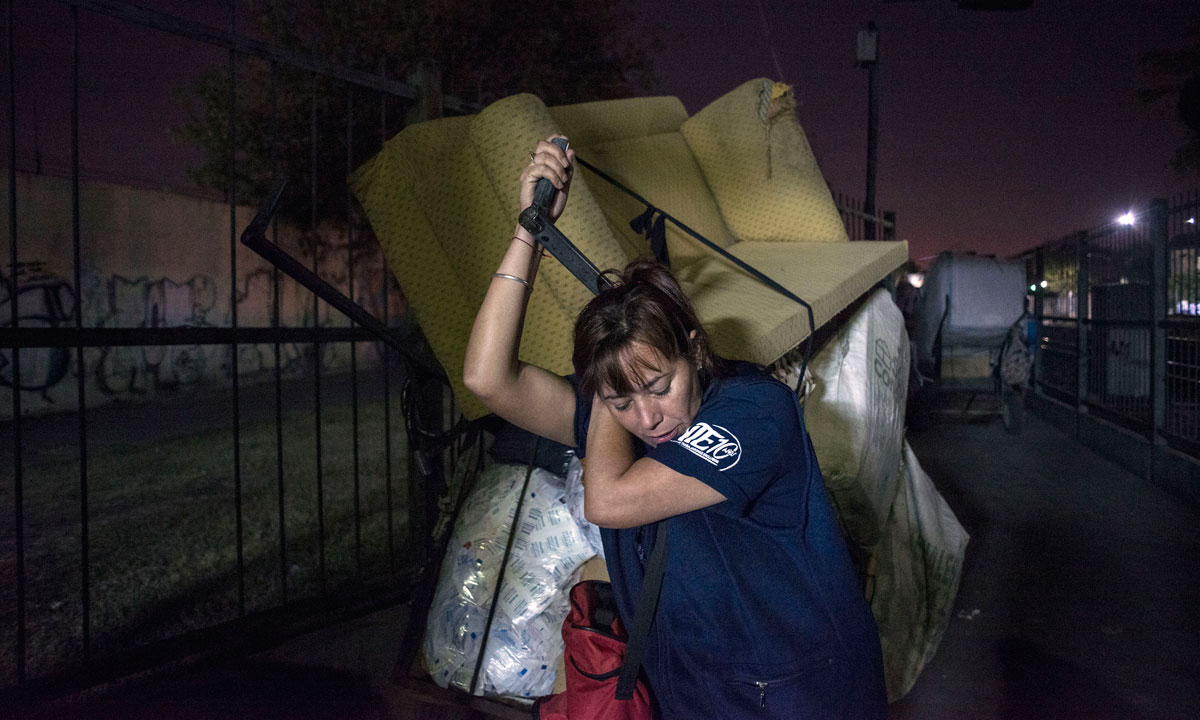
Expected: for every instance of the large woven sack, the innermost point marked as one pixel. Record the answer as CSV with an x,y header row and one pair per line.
x,y
855,415
920,563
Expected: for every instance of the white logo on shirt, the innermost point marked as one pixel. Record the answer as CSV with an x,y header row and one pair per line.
x,y
712,444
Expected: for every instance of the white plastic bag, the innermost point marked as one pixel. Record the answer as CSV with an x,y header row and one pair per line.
x,y
574,500
525,640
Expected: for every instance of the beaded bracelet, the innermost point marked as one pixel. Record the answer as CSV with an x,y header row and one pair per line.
x,y
521,280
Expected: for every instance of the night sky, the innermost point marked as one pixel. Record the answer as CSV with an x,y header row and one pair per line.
x,y
998,131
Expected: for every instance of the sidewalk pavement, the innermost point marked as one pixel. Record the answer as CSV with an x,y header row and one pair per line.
x,y
1080,598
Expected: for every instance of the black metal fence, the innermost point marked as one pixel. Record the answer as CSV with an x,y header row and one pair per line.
x,y
863,226
181,516
1118,313
1181,421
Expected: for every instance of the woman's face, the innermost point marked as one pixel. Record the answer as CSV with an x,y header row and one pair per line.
x,y
665,400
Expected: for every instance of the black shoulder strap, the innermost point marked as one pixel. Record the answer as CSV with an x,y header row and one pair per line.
x,y
643,616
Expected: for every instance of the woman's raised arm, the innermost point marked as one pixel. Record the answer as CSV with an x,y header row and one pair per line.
x,y
525,395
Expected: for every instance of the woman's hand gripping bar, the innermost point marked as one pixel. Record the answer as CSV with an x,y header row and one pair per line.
x,y
535,219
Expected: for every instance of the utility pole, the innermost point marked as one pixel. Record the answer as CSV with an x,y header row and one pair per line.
x,y
867,55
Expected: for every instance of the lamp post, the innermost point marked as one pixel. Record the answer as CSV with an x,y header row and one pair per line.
x,y
867,56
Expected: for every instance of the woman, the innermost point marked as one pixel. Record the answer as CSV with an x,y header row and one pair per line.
x,y
760,613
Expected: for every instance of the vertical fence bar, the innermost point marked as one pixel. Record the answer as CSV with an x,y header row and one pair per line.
x,y
1082,315
14,315
273,82
231,179
1159,247
353,345
1180,404
81,386
1039,309
316,320
860,222
387,354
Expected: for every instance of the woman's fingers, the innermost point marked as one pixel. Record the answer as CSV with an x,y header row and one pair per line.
x,y
551,162
547,148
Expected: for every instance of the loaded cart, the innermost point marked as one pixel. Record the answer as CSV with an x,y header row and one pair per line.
x,y
969,340
761,233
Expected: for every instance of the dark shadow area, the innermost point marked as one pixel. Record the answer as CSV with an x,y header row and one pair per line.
x,y
1041,685
247,689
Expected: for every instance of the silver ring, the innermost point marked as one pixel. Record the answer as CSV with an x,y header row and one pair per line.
x,y
531,157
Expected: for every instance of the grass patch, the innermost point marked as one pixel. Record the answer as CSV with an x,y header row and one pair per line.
x,y
163,534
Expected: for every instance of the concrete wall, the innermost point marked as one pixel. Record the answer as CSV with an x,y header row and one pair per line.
x,y
158,259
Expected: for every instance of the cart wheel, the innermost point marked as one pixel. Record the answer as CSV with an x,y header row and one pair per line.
x,y
1012,410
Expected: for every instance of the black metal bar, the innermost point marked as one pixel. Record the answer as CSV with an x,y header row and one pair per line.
x,y
69,337
387,355
81,389
280,488
1083,288
1039,298
536,219
316,318
1159,232
1097,322
14,322
235,389
196,31
353,346
254,238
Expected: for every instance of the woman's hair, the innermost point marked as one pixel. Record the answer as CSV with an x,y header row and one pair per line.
x,y
644,305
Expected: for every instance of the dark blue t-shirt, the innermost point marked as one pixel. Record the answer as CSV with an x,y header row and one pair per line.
x,y
761,614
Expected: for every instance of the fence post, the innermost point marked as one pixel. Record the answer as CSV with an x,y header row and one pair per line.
x,y
426,77
1159,247
1039,296
429,400
1082,314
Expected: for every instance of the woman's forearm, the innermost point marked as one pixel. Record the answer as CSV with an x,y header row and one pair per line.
x,y
609,456
491,367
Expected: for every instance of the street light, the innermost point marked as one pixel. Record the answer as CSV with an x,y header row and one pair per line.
x,y
867,55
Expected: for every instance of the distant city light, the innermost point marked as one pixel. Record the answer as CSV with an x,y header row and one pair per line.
x,y
1033,288
1044,283
1126,219
1191,221
916,279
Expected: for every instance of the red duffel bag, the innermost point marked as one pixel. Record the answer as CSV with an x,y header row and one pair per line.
x,y
595,650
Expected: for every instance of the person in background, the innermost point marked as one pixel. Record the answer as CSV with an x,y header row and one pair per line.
x,y
760,613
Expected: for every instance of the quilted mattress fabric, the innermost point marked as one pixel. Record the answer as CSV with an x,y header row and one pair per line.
x,y
761,168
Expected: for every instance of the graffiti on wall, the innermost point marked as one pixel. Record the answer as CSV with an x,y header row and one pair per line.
x,y
42,301
118,301
152,303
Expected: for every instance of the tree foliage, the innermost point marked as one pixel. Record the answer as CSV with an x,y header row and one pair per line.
x,y
313,130
1170,70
